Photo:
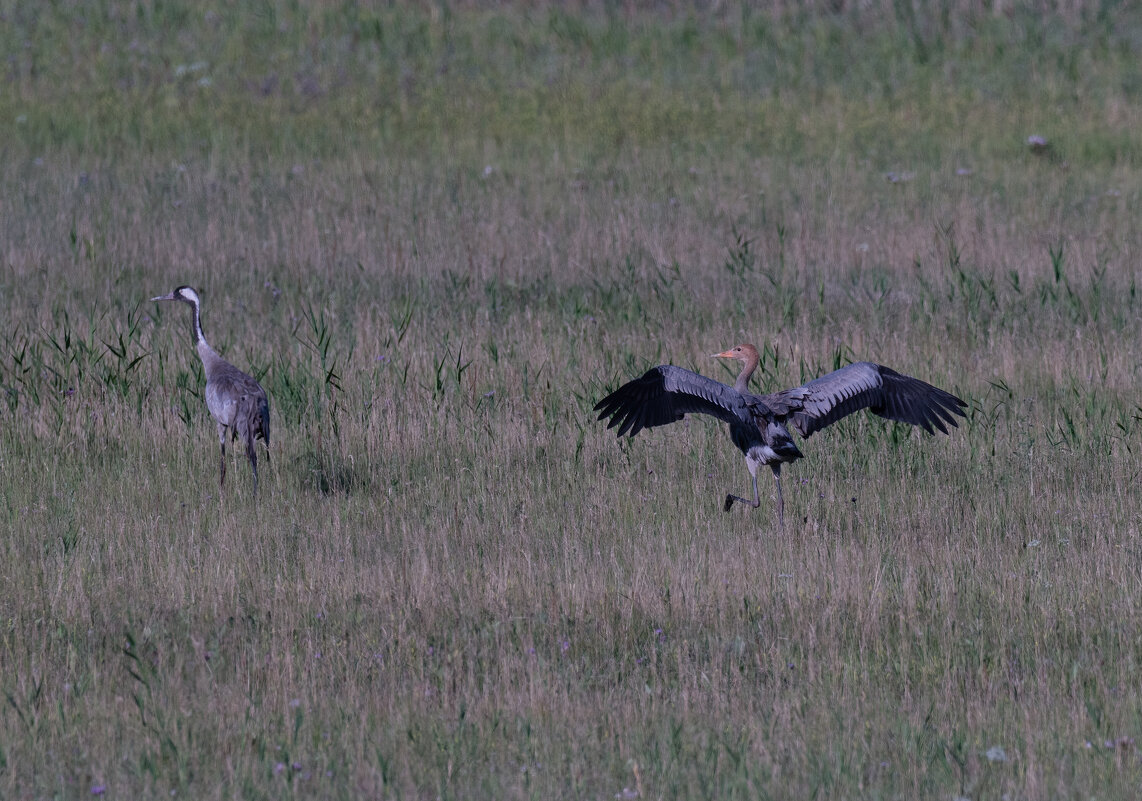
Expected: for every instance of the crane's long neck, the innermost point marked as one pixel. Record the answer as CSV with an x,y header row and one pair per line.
x,y
749,364
205,352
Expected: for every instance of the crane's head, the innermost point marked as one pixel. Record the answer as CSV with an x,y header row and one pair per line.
x,y
184,293
743,353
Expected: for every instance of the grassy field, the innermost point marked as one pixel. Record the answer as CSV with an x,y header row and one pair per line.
x,y
438,235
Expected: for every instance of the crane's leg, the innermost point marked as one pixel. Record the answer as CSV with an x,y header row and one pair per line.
x,y
780,501
245,432
756,502
253,454
222,446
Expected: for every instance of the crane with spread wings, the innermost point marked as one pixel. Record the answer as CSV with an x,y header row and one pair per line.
x,y
759,424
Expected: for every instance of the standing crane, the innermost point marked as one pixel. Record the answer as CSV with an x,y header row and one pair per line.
x,y
759,424
236,401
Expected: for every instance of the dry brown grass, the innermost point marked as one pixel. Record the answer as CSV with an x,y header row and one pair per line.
x,y
456,583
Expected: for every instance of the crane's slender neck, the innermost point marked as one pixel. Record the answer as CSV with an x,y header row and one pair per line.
x,y
196,325
749,364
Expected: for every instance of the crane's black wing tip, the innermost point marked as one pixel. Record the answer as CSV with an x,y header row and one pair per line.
x,y
942,413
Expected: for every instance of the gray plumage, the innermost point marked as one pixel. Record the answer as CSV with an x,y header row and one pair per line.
x,y
235,400
759,424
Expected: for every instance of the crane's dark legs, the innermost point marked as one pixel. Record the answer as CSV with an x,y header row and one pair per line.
x,y
222,446
780,501
253,454
756,502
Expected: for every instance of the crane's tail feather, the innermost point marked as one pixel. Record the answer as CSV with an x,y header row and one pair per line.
x,y
253,422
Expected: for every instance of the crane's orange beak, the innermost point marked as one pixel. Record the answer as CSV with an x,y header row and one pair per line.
x,y
725,354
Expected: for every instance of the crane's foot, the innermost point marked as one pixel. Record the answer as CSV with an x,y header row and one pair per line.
x,y
731,498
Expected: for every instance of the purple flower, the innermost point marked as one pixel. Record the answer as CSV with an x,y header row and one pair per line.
x,y
565,646
98,789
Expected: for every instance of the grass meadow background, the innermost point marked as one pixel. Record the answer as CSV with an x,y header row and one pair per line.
x,y
438,234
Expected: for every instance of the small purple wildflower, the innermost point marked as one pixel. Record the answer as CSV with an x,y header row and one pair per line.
x,y
565,646
99,789
278,768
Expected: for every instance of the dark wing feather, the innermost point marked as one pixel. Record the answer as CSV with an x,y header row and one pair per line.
x,y
254,410
252,418
666,394
865,385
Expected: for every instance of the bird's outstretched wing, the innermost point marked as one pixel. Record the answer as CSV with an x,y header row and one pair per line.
x,y
865,385
666,394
